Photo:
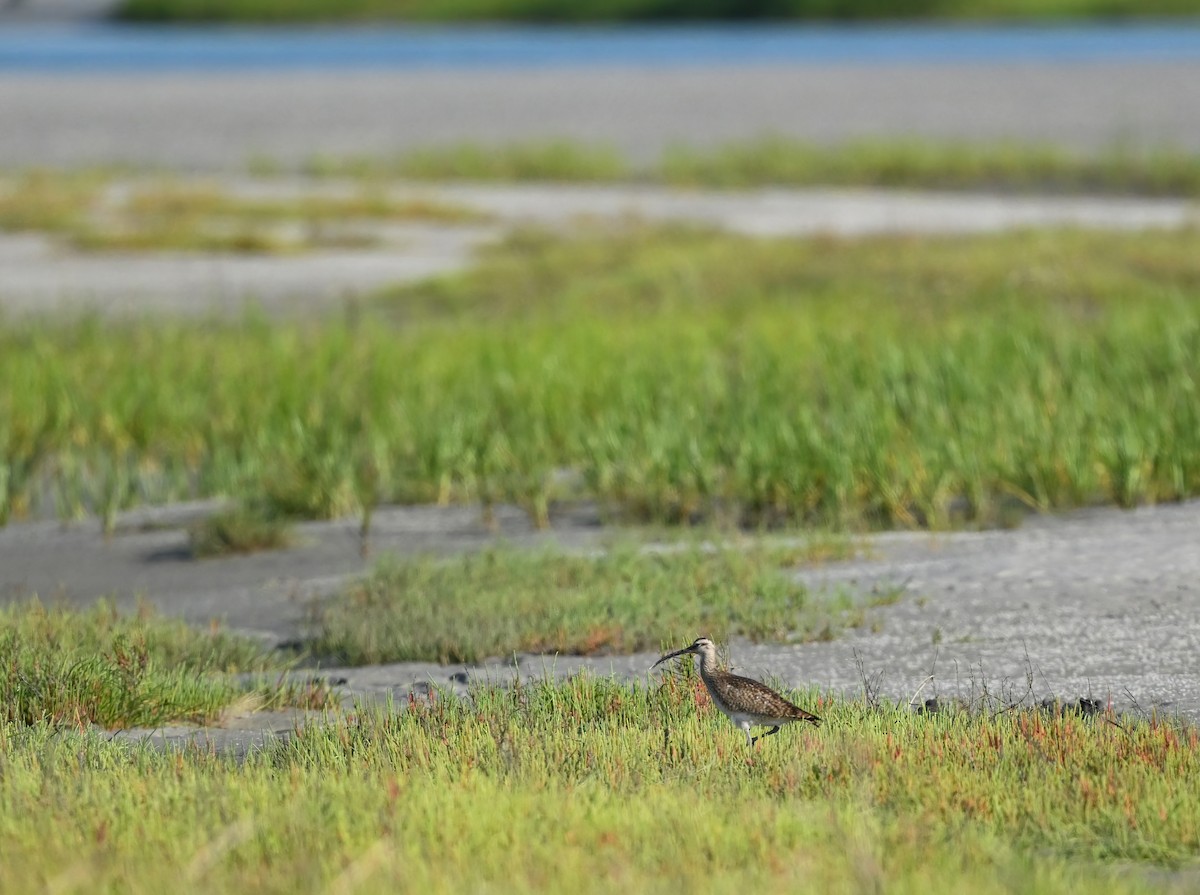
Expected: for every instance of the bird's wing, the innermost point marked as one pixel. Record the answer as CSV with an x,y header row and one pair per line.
x,y
762,697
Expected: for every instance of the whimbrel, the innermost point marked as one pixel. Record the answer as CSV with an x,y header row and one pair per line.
x,y
746,702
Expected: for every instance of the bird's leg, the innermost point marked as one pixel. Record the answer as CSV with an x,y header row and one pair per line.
x,y
749,738
774,729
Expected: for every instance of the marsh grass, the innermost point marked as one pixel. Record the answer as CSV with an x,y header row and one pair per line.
x,y
96,211
501,601
596,786
244,529
775,160
673,375
46,200
923,164
67,667
554,160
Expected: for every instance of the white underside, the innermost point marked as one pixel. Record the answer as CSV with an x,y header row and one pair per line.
x,y
745,722
754,721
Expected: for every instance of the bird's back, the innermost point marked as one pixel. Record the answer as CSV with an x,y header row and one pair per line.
x,y
735,694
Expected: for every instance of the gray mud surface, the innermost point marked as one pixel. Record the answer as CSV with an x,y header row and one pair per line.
x,y
218,121
1103,604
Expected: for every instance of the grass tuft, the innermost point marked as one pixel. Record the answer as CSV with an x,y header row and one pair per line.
x,y
92,211
63,667
498,602
241,530
923,164
554,160
775,160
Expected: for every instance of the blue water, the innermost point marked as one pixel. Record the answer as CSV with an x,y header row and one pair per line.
x,y
113,48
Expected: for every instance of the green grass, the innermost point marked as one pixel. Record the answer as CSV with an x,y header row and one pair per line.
x,y
782,161
922,164
99,211
503,601
113,211
592,786
241,530
562,160
638,10
65,667
676,375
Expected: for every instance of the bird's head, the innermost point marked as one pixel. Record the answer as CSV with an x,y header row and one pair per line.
x,y
701,646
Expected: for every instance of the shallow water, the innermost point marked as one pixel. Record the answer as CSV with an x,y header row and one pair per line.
x,y
110,48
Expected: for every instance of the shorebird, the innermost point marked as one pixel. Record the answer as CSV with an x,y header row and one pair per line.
x,y
745,701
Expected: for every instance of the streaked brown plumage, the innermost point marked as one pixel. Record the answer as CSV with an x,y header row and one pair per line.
x,y
745,701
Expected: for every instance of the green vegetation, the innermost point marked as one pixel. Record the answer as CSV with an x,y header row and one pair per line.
x,y
922,164
95,211
543,786
676,375
101,667
499,602
111,209
553,160
240,530
780,161
115,211
638,10
593,786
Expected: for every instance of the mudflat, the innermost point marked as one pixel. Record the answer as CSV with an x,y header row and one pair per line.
x,y
218,121
1097,604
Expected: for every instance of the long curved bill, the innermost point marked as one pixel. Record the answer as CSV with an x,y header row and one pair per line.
x,y
678,652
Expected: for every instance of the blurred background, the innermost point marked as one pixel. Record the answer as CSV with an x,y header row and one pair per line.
x,y
208,84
